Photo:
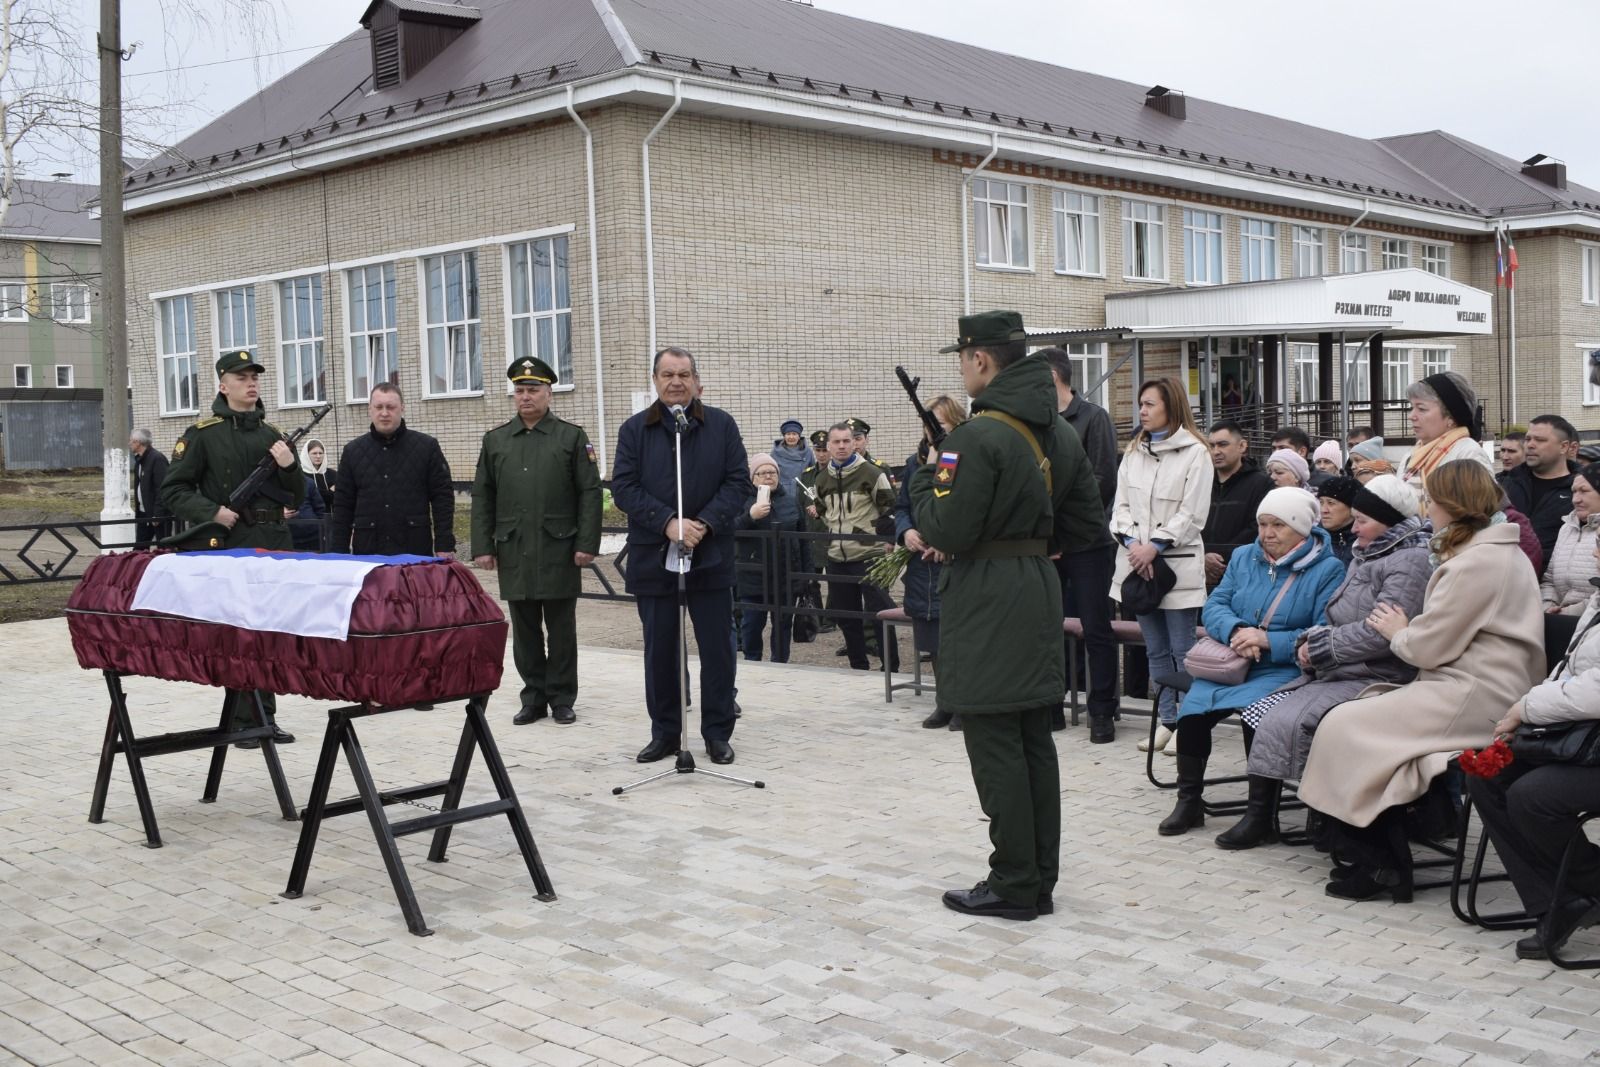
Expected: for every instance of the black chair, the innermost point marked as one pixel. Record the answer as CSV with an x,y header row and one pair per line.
x,y
1180,682
1578,837
1467,911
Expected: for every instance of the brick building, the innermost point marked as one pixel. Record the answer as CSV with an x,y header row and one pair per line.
x,y
50,329
804,199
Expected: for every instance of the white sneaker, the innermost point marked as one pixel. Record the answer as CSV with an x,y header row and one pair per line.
x,y
1172,746
1164,737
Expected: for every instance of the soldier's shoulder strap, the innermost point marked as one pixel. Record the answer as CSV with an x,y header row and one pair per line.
x,y
1027,435
209,420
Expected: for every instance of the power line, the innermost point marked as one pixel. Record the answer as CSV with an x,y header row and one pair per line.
x,y
238,59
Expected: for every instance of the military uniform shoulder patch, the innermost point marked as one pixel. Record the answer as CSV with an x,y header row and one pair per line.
x,y
593,457
180,448
210,420
944,475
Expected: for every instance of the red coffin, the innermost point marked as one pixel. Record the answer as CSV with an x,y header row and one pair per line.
x,y
419,632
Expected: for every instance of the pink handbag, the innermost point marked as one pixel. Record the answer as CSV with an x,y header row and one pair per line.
x,y
1214,661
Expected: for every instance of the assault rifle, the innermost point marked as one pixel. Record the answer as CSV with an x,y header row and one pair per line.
x,y
212,534
910,384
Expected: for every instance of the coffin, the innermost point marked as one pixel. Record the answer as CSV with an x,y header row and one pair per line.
x,y
418,633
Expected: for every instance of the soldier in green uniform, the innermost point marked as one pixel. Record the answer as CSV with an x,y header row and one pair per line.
x,y
861,433
211,458
1005,491
536,518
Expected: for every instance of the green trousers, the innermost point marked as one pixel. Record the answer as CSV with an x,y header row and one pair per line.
x,y
544,644
242,711
1013,756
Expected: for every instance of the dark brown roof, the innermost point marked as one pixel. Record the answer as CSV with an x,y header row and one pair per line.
x,y
525,46
43,210
1490,180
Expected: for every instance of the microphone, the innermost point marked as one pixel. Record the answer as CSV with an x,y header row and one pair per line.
x,y
677,413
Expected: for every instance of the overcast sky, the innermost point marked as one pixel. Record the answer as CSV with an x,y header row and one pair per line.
x,y
1516,77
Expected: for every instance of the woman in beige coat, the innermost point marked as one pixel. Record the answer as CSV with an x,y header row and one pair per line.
x,y
1163,498
1478,645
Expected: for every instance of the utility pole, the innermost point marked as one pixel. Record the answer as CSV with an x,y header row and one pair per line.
x,y
113,289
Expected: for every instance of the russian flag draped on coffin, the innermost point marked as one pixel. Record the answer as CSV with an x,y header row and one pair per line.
x,y
384,630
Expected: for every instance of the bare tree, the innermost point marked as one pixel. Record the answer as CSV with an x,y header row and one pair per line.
x,y
45,87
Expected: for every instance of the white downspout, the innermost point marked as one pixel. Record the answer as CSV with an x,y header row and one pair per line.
x,y
966,223
594,286
649,228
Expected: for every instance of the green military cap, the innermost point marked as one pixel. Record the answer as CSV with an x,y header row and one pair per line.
x,y
858,427
529,369
988,328
239,359
819,439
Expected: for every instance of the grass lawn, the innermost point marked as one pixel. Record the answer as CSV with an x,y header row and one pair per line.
x,y
50,496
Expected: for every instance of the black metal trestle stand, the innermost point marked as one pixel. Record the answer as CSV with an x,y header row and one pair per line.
x,y
120,738
475,734
685,761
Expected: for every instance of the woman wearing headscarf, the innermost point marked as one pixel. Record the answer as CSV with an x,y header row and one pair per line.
x,y
1336,496
1447,425
1328,459
313,460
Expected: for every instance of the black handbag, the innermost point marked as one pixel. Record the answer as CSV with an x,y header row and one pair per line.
x,y
1144,595
1573,743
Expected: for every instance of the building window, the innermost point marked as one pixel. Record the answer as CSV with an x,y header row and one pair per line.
x,y
175,343
236,320
1258,250
13,302
1307,386
1144,240
69,302
22,376
1396,253
1353,253
1434,361
1308,257
1202,247
1001,210
1396,373
1358,365
1590,257
455,360
63,376
374,348
541,304
1079,249
1436,259
304,373
1088,367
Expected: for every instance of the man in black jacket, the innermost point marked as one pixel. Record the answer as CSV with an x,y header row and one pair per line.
x,y
1237,490
1541,488
149,470
395,496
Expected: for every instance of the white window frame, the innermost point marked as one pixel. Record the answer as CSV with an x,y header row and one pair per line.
x,y
1591,393
300,340
1589,270
1429,359
1306,370
76,302
1310,242
223,324
1006,205
1435,257
360,343
558,315
1394,253
176,354
23,380
1258,250
1088,366
1090,240
1203,233
71,376
469,327
1397,362
1358,364
1354,248
13,308
1151,217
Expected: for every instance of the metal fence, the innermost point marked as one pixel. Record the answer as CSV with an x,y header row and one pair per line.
x,y
42,435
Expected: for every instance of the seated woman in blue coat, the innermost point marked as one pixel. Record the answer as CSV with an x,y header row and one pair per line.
x,y
1274,588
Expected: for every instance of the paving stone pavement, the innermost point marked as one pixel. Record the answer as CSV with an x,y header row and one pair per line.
x,y
698,923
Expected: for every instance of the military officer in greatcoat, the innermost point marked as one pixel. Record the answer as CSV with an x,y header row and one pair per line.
x,y
536,519
1004,492
211,458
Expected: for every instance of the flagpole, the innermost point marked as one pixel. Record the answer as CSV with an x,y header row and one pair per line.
x,y
1511,298
1500,331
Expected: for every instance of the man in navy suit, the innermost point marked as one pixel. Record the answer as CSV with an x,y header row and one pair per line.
x,y
716,487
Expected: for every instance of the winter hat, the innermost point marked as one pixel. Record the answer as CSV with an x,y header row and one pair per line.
x,y
1295,507
1294,461
1371,448
1328,450
1387,499
1341,489
791,426
761,459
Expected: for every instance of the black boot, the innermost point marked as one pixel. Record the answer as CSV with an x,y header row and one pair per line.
x,y
1058,719
1102,728
1190,810
1260,823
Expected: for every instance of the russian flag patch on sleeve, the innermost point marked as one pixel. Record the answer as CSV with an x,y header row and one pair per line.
x,y
945,476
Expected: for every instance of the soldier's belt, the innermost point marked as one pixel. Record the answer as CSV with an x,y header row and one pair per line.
x,y
262,516
1008,550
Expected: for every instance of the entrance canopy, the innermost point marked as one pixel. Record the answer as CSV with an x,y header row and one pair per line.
x,y
1401,304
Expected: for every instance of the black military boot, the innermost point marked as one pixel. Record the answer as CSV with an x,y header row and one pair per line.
x,y
1102,728
1260,823
1190,810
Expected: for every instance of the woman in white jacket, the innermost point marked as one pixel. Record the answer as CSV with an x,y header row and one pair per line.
x,y
1530,812
1565,588
1163,497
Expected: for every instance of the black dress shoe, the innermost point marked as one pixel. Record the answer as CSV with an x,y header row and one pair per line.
x,y
981,900
1102,729
1045,905
719,751
280,736
738,712
1557,926
937,721
564,715
527,715
1369,884
955,722
1058,719
252,743
658,748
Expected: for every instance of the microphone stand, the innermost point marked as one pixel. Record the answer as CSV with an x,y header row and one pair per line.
x,y
685,761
